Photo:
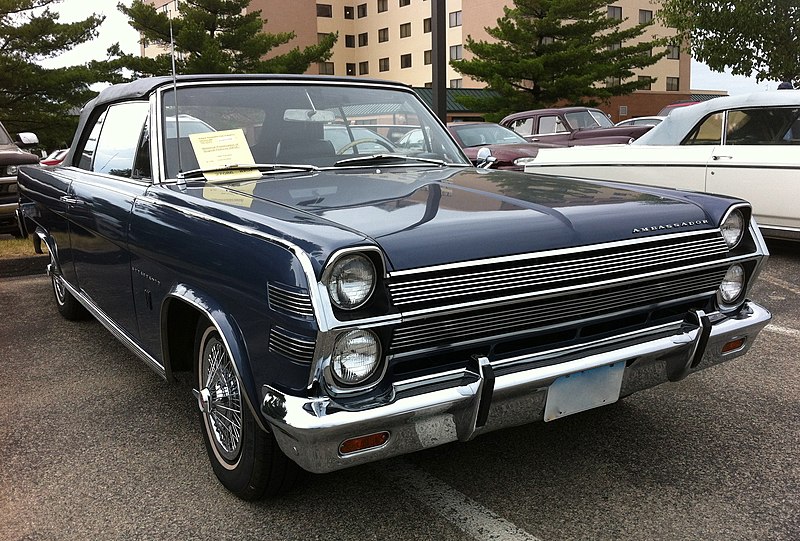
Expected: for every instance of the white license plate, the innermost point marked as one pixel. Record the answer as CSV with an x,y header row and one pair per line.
x,y
584,390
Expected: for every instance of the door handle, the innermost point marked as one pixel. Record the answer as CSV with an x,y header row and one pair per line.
x,y
719,157
71,201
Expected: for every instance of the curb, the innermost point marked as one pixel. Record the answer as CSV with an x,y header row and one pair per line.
x,y
23,266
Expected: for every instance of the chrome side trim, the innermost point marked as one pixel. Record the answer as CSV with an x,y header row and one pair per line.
x,y
283,299
291,346
114,329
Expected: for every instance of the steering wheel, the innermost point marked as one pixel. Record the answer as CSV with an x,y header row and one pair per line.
x,y
357,142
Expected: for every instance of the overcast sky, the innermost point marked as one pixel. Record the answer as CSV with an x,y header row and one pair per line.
x,y
115,29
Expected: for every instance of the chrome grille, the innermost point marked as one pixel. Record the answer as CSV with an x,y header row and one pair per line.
x,y
537,273
290,345
498,322
284,299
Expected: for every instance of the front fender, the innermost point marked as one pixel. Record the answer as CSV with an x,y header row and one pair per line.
x,y
228,329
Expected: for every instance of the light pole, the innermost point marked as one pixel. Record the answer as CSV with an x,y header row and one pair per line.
x,y
439,58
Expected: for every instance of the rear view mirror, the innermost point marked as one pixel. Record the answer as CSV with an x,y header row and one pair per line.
x,y
308,115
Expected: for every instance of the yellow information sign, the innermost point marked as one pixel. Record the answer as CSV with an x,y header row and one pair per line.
x,y
221,149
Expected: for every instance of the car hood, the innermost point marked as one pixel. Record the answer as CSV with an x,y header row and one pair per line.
x,y
428,216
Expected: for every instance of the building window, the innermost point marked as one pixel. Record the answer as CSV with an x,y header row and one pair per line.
x,y
456,83
426,26
404,3
673,84
363,39
348,12
615,12
405,60
383,35
456,52
429,85
383,64
648,79
349,40
405,30
324,10
426,57
623,110
383,5
455,19
615,46
325,68
363,68
350,69
613,81
674,52
548,40
645,16
361,10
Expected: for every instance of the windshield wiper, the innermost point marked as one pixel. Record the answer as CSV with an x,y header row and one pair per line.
x,y
384,158
263,168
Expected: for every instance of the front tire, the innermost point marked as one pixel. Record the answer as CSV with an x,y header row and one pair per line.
x,y
245,458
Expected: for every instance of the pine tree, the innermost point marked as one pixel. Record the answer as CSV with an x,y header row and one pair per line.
x,y
216,36
34,98
550,52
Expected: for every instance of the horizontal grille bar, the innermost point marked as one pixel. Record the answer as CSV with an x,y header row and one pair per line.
x,y
491,323
285,300
529,275
290,345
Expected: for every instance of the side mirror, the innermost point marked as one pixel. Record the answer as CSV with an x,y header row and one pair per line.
x,y
485,158
27,139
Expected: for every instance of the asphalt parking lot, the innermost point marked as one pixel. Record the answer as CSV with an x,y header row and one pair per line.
x,y
93,445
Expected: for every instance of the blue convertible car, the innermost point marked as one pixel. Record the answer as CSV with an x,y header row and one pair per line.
x,y
339,302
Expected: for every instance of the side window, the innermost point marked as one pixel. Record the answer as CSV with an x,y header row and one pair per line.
x,y
523,126
708,132
550,124
120,138
763,126
91,143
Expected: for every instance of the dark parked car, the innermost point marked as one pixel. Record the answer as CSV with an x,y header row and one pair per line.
x,y
337,309
571,126
11,157
504,146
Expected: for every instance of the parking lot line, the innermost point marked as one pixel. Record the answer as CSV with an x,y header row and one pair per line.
x,y
783,330
463,512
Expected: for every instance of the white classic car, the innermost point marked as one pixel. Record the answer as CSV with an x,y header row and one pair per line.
x,y
734,145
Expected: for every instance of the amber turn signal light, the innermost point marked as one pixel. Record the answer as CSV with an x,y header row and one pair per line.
x,y
733,345
362,443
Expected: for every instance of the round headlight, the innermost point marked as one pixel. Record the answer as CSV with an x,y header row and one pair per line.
x,y
355,357
733,228
351,281
11,170
732,285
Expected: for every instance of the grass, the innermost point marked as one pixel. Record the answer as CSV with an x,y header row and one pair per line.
x,y
11,247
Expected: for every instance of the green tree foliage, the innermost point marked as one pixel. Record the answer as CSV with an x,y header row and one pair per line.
x,y
758,38
216,36
557,52
34,98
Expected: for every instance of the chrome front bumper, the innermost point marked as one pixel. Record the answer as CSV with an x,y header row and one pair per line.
x,y
432,411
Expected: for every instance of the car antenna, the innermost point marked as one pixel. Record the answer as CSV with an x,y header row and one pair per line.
x,y
177,112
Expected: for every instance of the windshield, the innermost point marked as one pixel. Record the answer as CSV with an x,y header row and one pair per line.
x,y
473,135
309,124
591,118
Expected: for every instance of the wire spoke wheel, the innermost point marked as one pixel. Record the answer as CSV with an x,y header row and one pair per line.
x,y
221,399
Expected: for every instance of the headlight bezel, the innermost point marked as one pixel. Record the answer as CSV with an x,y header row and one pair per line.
x,y
732,303
734,213
371,256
